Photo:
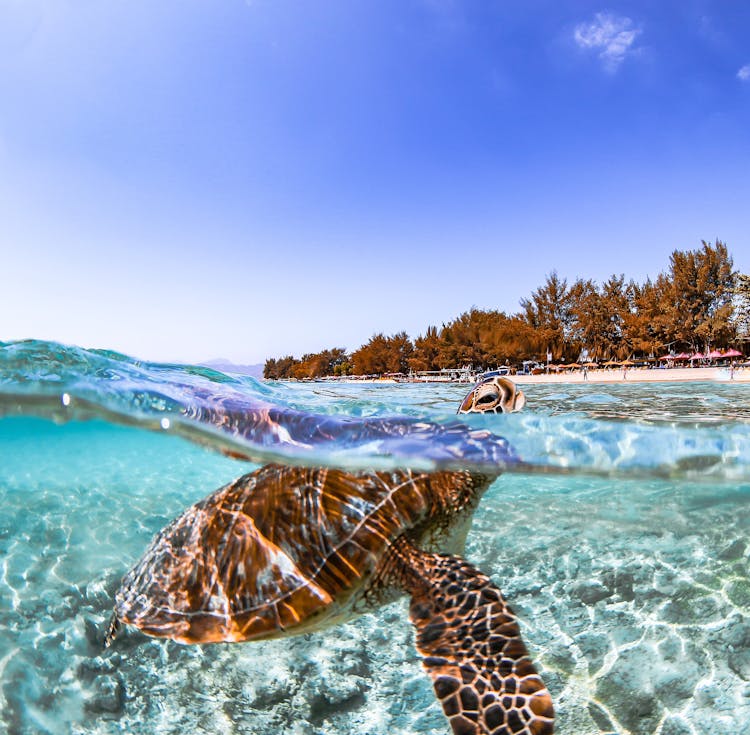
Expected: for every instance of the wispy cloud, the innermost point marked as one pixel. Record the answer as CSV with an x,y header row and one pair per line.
x,y
611,35
744,73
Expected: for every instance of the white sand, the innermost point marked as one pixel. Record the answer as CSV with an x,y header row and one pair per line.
x,y
614,375
635,375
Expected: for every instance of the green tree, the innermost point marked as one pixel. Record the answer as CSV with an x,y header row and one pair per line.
x,y
598,318
741,308
647,325
699,302
617,308
342,368
383,355
548,312
461,340
589,319
426,351
270,369
703,285
279,369
400,351
371,358
511,341
485,339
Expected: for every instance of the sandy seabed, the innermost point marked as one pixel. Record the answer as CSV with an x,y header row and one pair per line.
x,y
633,594
635,612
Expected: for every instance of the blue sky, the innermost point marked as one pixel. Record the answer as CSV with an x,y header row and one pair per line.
x,y
184,179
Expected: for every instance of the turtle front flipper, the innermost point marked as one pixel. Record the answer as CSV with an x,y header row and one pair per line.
x,y
472,648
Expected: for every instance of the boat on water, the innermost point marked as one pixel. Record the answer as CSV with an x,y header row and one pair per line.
x,y
493,373
464,375
445,375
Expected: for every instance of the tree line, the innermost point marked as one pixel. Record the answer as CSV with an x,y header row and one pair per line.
x,y
700,302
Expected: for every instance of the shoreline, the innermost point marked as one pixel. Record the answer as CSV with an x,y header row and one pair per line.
x,y
639,375
631,375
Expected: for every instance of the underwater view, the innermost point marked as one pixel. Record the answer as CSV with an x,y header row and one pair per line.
x,y
617,529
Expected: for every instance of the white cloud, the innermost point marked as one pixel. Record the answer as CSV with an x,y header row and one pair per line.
x,y
744,73
611,35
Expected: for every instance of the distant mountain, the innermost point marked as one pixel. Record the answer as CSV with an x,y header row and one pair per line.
x,y
226,366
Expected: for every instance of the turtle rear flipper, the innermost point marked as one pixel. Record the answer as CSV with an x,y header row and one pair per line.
x,y
472,649
113,629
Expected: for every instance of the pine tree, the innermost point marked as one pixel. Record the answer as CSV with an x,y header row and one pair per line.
x,y
741,308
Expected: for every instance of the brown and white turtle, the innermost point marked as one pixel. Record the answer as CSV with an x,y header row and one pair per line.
x,y
287,550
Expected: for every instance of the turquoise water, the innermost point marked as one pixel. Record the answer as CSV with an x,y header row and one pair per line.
x,y
619,532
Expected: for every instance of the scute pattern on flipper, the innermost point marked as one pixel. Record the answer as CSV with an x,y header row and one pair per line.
x,y
473,650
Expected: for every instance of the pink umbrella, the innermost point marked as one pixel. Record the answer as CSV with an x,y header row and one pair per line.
x,y
667,357
714,355
682,356
732,353
697,356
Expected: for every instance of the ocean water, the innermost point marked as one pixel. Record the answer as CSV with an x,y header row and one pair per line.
x,y
618,531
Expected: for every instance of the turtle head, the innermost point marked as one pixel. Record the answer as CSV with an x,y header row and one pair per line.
x,y
493,395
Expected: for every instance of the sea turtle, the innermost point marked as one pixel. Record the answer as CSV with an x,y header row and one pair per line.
x,y
287,550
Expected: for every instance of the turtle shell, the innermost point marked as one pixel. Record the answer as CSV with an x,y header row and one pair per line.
x,y
278,549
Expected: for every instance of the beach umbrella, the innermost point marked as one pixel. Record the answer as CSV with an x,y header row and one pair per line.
x,y
627,363
732,353
667,357
682,356
714,355
611,363
697,356
573,365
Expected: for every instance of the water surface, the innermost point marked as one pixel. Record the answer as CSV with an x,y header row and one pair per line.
x,y
618,531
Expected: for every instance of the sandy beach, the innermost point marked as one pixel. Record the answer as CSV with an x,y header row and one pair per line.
x,y
639,375
617,375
